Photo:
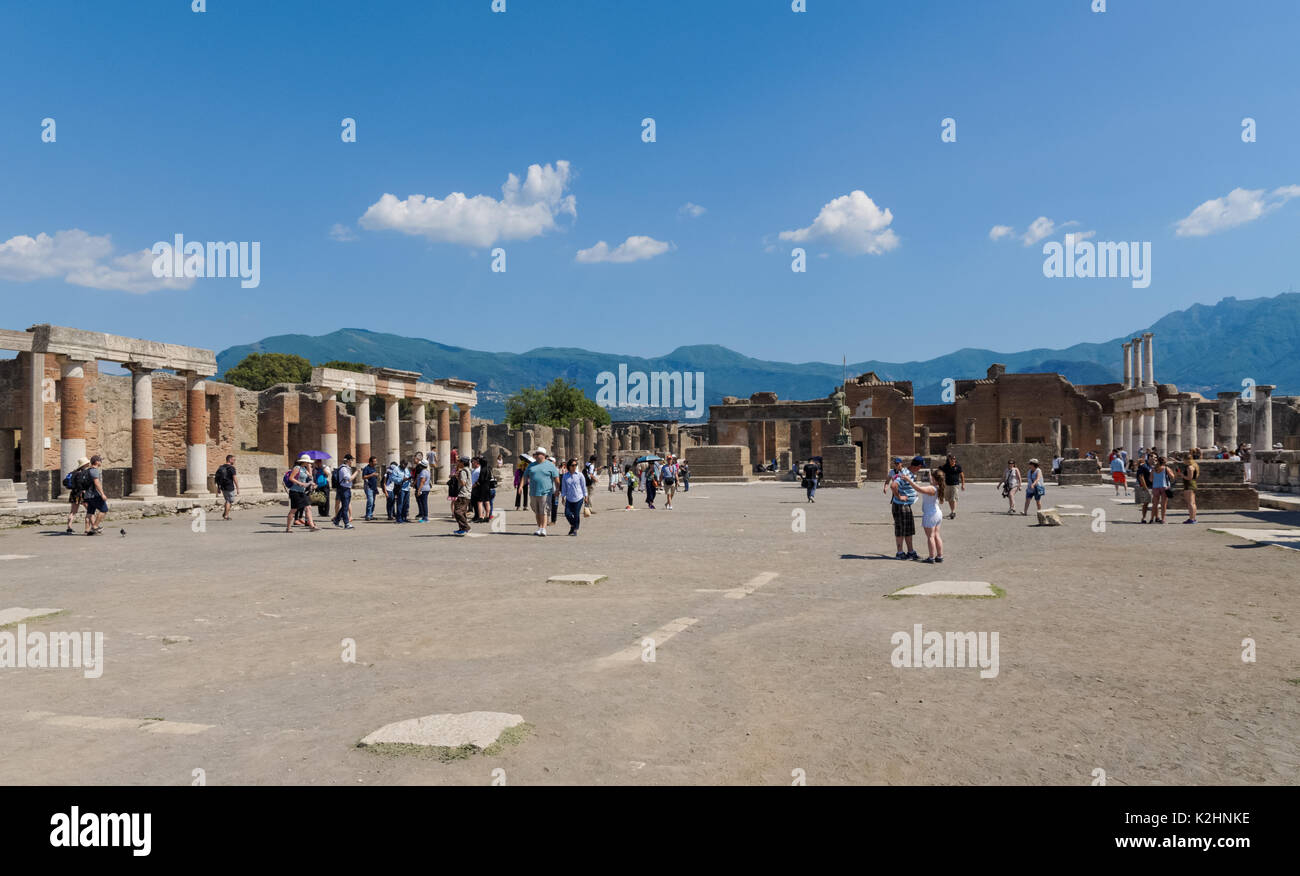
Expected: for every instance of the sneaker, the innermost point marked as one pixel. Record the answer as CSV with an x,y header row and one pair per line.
x,y
668,507
938,559
349,526
928,560
913,555
901,555
542,533
69,530
460,532
573,532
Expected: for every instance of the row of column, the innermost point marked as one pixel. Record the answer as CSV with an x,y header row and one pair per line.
x,y
1139,362
392,429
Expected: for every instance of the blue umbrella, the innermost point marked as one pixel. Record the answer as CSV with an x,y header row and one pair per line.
x,y
316,454
650,458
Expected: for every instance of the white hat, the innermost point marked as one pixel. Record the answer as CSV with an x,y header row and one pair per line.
x,y
304,458
542,451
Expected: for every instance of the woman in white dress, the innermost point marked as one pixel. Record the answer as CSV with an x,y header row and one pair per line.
x,y
932,514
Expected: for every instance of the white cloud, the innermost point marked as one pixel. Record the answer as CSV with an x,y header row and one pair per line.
x,y
83,260
694,211
342,233
853,223
997,232
634,249
1038,229
1238,207
526,210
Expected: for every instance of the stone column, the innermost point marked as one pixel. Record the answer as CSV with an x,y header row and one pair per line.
x,y
1189,424
444,442
518,435
144,483
1173,428
1126,432
72,413
530,442
1148,351
1137,362
34,423
925,440
1128,366
1107,435
1067,437
1054,435
392,429
1017,431
1228,418
1263,418
465,420
1204,426
1148,428
577,443
329,425
421,426
590,442
970,430
196,435
1006,430
602,447
634,436
1162,431
363,429
615,442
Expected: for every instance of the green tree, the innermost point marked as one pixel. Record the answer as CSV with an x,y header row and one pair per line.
x,y
340,365
259,371
557,405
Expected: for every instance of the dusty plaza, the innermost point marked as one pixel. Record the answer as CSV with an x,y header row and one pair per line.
x,y
225,647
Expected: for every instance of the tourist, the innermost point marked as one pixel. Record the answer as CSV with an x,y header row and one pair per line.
x,y
1056,466
651,486
75,482
520,484
543,481
390,491
403,498
461,496
686,477
668,478
1118,471
227,480
480,480
895,469
903,490
615,478
1191,471
573,487
1159,490
1010,485
954,478
555,494
423,484
96,499
321,477
1034,487
809,482
370,481
300,487
1142,488
590,474
343,478
630,477
932,496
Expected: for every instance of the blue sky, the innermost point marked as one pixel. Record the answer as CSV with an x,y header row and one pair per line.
x,y
225,126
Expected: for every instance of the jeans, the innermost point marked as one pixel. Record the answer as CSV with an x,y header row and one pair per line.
x,y
555,505
390,499
573,514
650,494
370,503
403,506
686,485
344,511
812,489
422,503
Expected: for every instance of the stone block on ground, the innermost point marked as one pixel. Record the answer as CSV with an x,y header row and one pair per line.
x,y
948,588
586,578
1049,517
479,729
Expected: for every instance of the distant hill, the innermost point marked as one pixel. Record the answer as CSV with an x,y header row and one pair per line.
x,y
1201,349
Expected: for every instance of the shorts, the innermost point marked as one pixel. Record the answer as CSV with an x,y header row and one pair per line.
x,y
1158,493
229,496
96,503
950,494
298,500
76,498
904,523
540,504
1141,494
1119,477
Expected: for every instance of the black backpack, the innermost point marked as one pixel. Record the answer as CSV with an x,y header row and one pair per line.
x,y
334,479
453,484
84,482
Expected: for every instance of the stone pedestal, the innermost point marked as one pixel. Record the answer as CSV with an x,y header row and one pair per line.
x,y
1080,472
840,466
719,463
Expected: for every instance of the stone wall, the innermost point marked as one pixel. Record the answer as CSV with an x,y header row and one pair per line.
x,y
989,461
719,463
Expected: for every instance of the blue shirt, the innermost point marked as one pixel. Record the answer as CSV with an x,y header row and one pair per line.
x,y
573,487
906,492
541,477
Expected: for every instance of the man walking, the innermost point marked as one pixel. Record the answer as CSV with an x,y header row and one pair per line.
x,y
227,480
543,483
953,479
96,499
370,482
344,512
464,488
903,488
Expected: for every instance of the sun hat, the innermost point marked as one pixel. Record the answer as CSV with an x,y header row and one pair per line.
x,y
82,460
1033,462
304,458
542,451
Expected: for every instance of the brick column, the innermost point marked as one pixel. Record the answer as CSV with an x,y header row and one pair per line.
x,y
144,481
72,413
329,429
444,442
34,423
421,427
466,450
363,429
196,435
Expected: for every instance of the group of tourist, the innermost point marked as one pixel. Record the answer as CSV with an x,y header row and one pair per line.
x,y
1156,480
85,485
1032,480
904,485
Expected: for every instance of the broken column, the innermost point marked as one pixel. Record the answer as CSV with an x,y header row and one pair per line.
x,y
970,430
1054,435
1017,431
1228,419
1006,430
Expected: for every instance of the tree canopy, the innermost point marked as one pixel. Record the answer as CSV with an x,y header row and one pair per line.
x,y
259,371
340,365
557,405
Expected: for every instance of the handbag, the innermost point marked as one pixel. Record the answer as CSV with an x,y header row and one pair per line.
x,y
586,512
315,497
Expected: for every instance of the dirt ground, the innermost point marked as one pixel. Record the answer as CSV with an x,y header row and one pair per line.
x,y
1119,650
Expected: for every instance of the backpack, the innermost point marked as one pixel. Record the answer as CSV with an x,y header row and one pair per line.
x,y
84,481
68,479
334,478
223,479
288,479
453,484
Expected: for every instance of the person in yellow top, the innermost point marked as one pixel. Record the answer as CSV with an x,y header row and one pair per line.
x,y
1191,471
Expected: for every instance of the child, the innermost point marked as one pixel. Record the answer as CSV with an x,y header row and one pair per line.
x,y
932,497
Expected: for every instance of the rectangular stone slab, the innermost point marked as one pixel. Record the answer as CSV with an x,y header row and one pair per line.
x,y
18,615
948,588
576,579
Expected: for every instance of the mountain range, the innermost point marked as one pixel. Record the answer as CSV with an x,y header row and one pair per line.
x,y
1205,348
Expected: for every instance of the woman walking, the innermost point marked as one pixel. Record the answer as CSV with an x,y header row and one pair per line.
x,y
1011,485
651,486
932,496
423,483
300,486
1159,491
1034,488
630,477
1191,471
573,487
